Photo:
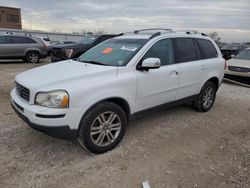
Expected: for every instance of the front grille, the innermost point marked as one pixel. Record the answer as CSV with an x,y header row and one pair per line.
x,y
57,52
22,91
238,69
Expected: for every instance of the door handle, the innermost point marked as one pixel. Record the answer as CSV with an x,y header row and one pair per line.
x,y
203,67
174,73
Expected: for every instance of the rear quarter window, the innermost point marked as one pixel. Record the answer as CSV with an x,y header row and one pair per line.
x,y
207,48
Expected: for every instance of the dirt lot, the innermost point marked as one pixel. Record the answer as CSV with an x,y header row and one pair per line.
x,y
175,147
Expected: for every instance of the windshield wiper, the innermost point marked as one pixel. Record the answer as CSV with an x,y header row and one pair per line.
x,y
95,62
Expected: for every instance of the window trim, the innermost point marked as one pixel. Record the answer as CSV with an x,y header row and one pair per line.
x,y
199,48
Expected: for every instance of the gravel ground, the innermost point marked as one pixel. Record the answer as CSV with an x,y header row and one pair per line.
x,y
175,147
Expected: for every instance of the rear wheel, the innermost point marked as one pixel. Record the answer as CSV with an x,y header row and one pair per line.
x,y
103,127
32,57
206,97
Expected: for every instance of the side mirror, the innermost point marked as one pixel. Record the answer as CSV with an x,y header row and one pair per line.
x,y
232,56
150,63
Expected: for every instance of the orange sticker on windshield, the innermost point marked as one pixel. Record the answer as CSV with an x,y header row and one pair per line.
x,y
107,50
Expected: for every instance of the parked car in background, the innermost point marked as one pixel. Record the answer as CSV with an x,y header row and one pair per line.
x,y
238,68
47,43
221,44
92,98
54,43
69,51
29,49
231,49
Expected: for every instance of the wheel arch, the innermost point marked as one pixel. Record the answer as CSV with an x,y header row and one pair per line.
x,y
117,100
32,50
215,80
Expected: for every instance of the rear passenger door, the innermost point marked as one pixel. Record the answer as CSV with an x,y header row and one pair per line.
x,y
210,56
19,45
190,64
5,44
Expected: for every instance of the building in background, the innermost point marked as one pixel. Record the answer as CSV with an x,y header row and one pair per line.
x,y
10,18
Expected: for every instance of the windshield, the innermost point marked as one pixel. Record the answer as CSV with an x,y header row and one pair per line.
x,y
88,39
243,55
114,52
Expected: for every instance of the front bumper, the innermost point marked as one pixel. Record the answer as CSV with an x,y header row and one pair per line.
x,y
44,54
60,123
63,132
241,79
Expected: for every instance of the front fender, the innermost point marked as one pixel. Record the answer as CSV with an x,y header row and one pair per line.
x,y
87,96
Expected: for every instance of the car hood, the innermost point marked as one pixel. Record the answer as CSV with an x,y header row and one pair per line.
x,y
239,63
74,45
64,75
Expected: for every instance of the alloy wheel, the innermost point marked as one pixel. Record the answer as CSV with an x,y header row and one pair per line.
x,y
208,97
105,128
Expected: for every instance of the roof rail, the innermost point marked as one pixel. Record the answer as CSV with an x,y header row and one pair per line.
x,y
28,34
155,35
9,33
152,29
160,31
191,32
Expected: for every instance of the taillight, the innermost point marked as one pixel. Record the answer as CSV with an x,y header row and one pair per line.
x,y
225,65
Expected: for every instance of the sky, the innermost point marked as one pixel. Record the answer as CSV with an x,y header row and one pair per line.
x,y
230,18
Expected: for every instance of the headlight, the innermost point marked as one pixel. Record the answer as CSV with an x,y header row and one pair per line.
x,y
68,52
53,99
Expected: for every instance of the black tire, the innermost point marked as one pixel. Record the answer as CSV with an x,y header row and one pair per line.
x,y
201,104
32,57
92,121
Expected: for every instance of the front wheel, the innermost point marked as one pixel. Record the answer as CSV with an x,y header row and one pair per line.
x,y
206,97
32,57
103,127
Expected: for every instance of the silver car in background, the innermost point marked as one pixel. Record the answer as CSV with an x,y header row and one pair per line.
x,y
29,49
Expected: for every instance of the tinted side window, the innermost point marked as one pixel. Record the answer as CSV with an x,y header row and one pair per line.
x,y
208,48
2,40
22,40
5,39
185,50
29,40
163,50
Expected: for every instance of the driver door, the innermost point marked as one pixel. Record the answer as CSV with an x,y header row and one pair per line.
x,y
158,86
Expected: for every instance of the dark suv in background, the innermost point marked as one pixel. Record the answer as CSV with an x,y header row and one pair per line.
x,y
29,49
69,51
232,49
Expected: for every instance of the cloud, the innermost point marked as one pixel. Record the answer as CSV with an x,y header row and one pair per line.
x,y
119,16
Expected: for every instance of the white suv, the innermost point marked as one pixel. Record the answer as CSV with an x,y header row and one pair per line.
x,y
92,98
